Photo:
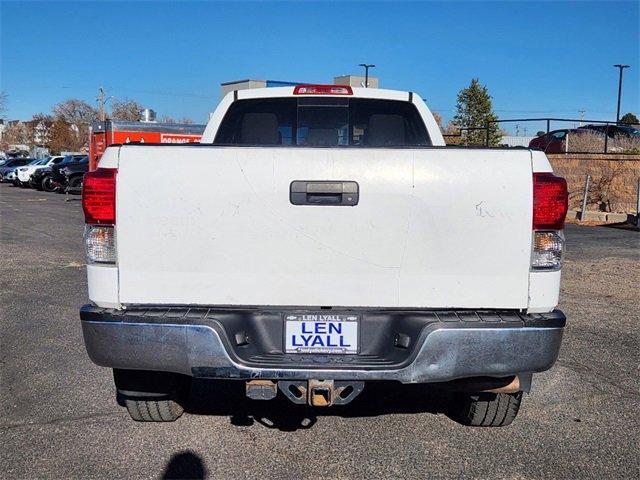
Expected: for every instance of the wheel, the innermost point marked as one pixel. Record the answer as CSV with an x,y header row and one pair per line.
x,y
486,409
153,410
75,184
151,396
47,184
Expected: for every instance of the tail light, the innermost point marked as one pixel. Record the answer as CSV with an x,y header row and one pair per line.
x,y
99,196
99,205
550,203
322,90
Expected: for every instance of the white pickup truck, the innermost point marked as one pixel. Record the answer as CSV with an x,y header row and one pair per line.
x,y
320,237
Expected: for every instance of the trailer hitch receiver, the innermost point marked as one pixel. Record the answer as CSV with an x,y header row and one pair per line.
x,y
320,393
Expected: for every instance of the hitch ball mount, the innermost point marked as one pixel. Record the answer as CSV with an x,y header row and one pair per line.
x,y
317,393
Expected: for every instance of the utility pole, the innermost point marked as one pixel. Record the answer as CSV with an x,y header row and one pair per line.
x,y
581,112
366,66
101,101
621,67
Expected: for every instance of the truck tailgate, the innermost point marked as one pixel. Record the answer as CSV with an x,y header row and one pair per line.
x,y
433,228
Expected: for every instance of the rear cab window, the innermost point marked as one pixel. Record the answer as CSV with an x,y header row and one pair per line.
x,y
323,122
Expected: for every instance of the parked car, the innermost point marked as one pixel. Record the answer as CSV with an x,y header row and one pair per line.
x,y
7,171
552,142
555,141
23,169
73,175
613,131
24,173
38,177
57,180
338,242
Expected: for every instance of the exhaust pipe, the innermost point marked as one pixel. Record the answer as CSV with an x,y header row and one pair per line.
x,y
511,384
512,387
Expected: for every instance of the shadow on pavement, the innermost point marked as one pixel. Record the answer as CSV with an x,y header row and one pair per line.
x,y
227,398
185,465
629,225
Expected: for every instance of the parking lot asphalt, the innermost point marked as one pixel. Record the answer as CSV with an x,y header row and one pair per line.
x,y
59,417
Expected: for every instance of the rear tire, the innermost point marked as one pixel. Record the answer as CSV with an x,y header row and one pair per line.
x,y
153,410
486,409
47,184
151,396
75,184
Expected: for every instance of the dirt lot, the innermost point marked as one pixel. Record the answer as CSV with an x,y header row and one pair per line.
x,y
59,417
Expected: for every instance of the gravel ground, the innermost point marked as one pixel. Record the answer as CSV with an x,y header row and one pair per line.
x,y
59,417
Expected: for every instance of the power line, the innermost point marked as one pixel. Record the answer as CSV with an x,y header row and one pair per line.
x,y
169,94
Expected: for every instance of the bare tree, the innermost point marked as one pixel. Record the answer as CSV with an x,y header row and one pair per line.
x,y
126,110
438,118
77,115
75,112
454,135
65,137
16,134
39,128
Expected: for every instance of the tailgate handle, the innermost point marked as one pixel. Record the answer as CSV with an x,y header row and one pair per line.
x,y
324,192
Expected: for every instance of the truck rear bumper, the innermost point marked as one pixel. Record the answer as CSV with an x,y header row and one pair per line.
x,y
246,343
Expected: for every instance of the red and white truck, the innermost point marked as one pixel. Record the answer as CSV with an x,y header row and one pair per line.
x,y
317,238
112,132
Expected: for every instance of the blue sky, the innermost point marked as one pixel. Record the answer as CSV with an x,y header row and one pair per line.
x,y
536,58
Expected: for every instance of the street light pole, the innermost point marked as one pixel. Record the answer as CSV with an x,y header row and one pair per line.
x,y
366,66
621,67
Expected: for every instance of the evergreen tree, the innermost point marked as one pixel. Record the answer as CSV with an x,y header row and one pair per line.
x,y
474,109
629,119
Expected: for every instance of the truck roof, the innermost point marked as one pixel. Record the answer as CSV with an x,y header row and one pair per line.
x,y
357,92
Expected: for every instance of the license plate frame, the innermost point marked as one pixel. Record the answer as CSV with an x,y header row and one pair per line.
x,y
347,322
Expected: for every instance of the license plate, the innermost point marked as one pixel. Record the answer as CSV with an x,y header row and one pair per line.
x,y
321,333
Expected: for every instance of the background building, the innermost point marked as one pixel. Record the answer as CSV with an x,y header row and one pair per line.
x,y
515,141
356,81
353,80
248,83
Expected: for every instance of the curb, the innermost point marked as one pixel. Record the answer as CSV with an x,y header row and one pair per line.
x,y
605,217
